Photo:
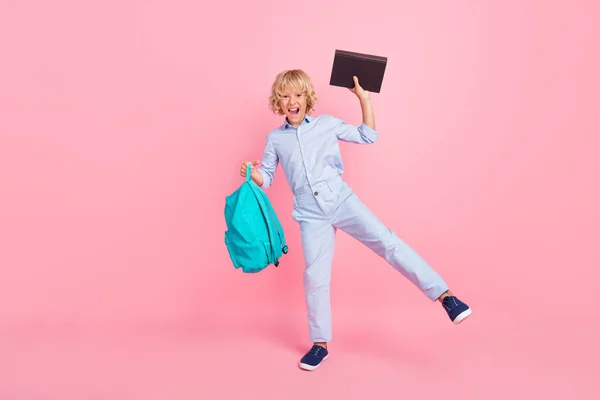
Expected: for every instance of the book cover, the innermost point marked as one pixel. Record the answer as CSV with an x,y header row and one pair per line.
x,y
370,70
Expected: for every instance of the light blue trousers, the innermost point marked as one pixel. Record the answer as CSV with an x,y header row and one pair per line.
x,y
332,205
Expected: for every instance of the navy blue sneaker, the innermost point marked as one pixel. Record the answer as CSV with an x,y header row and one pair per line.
x,y
456,309
314,357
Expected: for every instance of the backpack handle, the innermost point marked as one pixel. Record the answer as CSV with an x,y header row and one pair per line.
x,y
248,172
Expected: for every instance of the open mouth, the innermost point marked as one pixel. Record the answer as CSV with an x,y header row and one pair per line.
x,y
294,111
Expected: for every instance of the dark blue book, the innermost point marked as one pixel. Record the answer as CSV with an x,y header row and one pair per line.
x,y
369,69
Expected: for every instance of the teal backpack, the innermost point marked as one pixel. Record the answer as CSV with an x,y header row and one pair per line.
x,y
254,237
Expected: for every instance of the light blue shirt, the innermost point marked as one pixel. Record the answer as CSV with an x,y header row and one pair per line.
x,y
310,153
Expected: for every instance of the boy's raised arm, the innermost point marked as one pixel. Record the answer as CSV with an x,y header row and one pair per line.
x,y
365,104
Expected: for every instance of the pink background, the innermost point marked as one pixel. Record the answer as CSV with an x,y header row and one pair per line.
x,y
118,117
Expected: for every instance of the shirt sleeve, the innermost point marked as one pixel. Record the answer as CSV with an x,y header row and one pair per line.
x,y
362,134
269,164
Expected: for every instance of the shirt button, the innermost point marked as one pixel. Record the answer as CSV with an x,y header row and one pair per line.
x,y
316,193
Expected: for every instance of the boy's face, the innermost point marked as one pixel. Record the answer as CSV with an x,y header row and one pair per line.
x,y
293,105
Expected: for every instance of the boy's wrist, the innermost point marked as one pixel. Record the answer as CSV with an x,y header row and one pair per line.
x,y
364,101
365,105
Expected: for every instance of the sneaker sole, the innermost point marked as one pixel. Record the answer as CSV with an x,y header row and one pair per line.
x,y
313,367
462,316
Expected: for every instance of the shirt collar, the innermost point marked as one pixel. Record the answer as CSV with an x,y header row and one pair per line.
x,y
307,119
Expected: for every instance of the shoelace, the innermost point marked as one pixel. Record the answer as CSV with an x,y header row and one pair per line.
x,y
448,300
315,350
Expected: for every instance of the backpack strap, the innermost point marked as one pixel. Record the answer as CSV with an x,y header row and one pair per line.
x,y
279,229
254,189
248,171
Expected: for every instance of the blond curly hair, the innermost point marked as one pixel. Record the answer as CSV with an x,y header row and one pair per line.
x,y
295,78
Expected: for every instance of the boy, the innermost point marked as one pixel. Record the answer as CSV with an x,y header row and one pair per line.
x,y
307,149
